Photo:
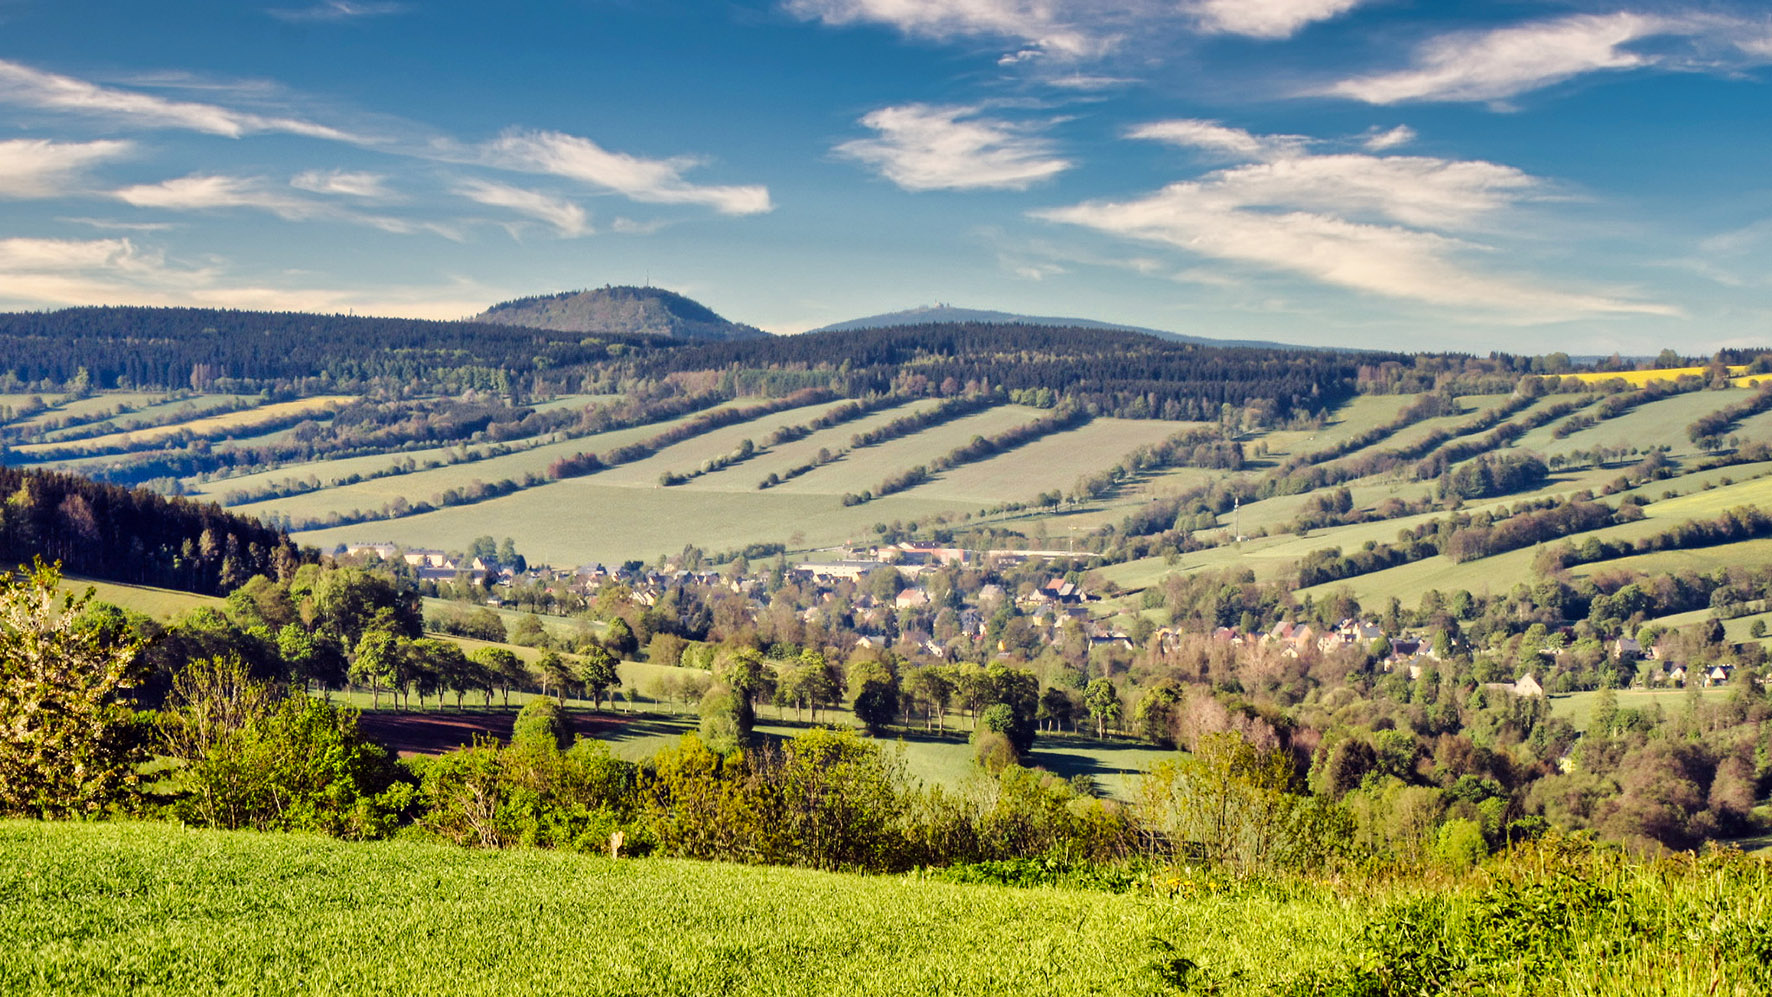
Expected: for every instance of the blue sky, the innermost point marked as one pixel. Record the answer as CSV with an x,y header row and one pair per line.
x,y
1523,176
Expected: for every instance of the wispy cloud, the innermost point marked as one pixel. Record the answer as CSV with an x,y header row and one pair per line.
x,y
1500,63
26,87
657,181
42,168
1381,141
1210,136
344,183
1394,226
203,193
213,192
925,147
1046,25
567,218
1266,18
336,10
1073,29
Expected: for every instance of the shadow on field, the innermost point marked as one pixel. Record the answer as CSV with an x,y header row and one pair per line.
x,y
1074,763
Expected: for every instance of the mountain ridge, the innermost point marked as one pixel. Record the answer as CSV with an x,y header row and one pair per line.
x,y
942,314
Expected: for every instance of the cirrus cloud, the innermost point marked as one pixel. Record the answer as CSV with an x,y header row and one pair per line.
x,y
924,147
658,181
42,168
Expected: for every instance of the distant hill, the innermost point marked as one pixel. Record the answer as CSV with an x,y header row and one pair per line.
x,y
945,314
649,311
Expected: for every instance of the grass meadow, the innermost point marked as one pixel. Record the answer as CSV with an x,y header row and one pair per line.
x,y
421,485
243,421
139,908
868,466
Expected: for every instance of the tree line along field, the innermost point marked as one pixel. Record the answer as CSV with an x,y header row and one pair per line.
x,y
145,908
647,718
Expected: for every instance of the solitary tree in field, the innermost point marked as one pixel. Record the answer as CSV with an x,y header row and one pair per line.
x,y
65,744
1103,701
596,672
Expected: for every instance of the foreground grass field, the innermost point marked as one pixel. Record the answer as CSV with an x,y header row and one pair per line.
x,y
126,908
148,909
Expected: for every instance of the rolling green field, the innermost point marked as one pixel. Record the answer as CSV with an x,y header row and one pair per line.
x,y
689,455
138,908
865,468
1658,423
152,909
161,604
1026,471
167,411
204,425
787,456
1578,707
421,485
581,520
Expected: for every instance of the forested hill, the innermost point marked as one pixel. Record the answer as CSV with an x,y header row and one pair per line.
x,y
198,347
949,314
134,535
1114,372
648,311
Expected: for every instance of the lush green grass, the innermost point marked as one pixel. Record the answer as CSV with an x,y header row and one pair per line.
x,y
1745,553
126,908
242,421
1655,424
787,456
62,407
421,485
161,604
151,909
689,455
1358,415
582,519
1578,707
1709,503
868,466
167,411
1044,464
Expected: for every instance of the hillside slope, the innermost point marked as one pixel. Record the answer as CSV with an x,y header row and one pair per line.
x,y
648,311
949,314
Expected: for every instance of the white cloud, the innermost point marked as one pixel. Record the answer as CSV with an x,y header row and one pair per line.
x,y
23,86
42,168
1494,65
1395,226
202,193
37,273
1047,25
214,192
567,218
1266,18
343,183
1194,133
657,181
1378,141
336,10
924,147
631,226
